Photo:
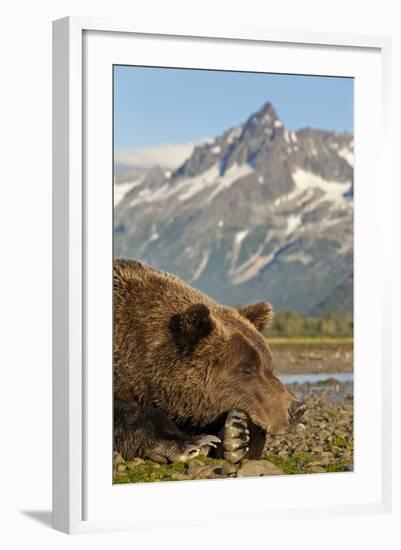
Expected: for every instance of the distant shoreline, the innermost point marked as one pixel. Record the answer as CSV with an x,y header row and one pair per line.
x,y
310,340
312,355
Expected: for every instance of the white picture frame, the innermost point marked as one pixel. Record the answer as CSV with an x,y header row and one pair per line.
x,y
83,48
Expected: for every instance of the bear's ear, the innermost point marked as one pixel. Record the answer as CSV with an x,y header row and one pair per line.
x,y
260,314
190,326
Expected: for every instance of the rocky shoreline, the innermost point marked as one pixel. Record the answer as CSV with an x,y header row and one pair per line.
x,y
322,443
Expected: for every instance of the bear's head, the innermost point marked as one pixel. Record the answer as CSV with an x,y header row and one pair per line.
x,y
227,364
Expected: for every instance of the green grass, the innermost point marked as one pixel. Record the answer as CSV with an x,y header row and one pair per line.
x,y
339,442
150,471
294,464
318,340
208,460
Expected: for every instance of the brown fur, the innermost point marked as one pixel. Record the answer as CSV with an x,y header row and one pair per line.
x,y
177,351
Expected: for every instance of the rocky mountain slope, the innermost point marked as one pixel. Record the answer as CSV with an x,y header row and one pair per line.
x,y
260,212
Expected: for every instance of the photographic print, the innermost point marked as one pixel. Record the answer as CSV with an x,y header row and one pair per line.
x,y
233,274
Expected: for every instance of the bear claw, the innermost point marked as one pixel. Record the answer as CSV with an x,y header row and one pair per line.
x,y
199,445
211,440
190,451
236,436
206,443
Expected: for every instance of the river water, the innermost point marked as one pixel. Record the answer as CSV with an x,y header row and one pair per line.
x,y
315,378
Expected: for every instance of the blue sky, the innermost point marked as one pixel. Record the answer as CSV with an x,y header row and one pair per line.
x,y
154,106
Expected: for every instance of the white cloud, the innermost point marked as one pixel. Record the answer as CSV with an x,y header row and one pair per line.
x,y
167,155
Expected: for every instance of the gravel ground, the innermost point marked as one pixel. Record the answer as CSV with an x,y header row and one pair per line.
x,y
324,442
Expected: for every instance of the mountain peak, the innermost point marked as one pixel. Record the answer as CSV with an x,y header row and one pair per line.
x,y
268,110
266,116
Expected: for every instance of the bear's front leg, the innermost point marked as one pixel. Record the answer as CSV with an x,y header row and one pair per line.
x,y
241,437
147,432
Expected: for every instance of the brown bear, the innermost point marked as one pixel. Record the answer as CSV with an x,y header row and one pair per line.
x,y
190,375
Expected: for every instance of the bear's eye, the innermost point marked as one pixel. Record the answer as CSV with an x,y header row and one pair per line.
x,y
248,369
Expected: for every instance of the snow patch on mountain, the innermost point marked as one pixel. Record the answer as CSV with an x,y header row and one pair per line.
x,y
234,173
121,189
333,190
237,242
147,195
154,236
347,154
250,269
240,236
188,187
234,134
203,263
192,186
293,222
287,136
296,193
298,257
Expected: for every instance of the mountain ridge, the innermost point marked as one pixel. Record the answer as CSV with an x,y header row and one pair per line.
x,y
259,212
